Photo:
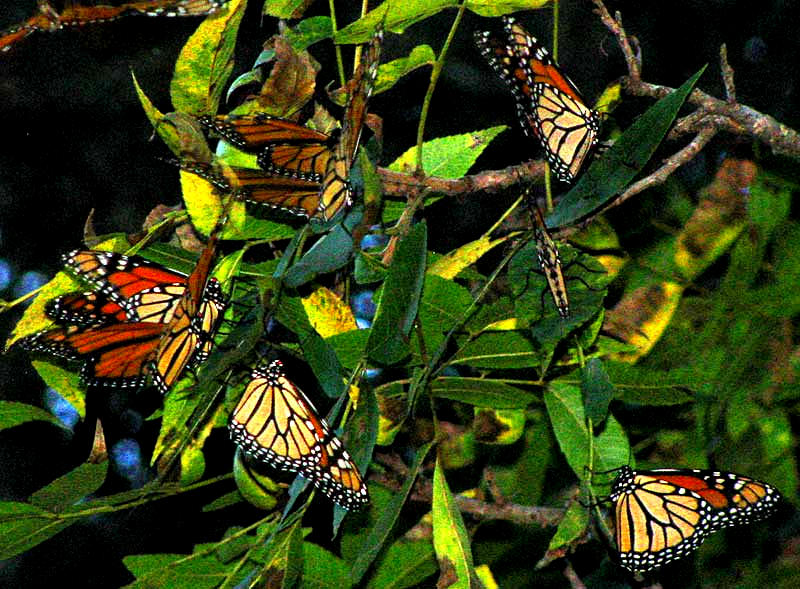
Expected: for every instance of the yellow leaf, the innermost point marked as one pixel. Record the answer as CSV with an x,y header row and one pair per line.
x,y
450,265
328,314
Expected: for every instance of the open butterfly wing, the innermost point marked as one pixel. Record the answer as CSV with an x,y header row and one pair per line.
x,y
664,514
113,355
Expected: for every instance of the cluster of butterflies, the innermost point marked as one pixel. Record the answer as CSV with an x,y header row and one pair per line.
x,y
48,18
662,514
144,321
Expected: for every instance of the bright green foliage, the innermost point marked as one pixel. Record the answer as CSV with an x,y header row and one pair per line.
x,y
678,353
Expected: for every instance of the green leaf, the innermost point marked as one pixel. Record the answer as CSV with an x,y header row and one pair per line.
x,y
610,174
498,350
451,156
379,533
445,157
67,383
349,346
388,338
405,563
390,73
646,386
396,16
521,477
441,307
324,570
585,280
309,31
206,62
23,526
284,8
320,355
254,486
361,434
175,570
283,562
168,133
13,414
482,392
565,408
329,253
503,7
450,540
571,527
597,390
71,487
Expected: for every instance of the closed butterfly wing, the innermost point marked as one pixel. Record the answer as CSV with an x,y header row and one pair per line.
x,y
77,15
293,195
336,193
188,336
283,147
548,103
550,261
46,19
276,423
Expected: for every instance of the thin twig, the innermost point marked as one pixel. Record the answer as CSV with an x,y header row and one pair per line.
x,y
574,580
727,74
669,166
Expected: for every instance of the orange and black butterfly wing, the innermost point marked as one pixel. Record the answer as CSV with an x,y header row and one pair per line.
x,y
293,195
146,291
114,355
85,309
549,260
548,103
283,146
336,192
188,336
77,15
44,20
276,423
664,514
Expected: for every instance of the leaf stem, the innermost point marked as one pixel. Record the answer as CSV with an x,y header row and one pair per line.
x,y
437,70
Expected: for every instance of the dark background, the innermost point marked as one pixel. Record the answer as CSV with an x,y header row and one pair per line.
x,y
75,138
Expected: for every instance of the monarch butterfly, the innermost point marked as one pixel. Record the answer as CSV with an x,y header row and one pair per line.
x,y
317,163
143,320
283,147
48,19
664,514
548,104
275,422
293,195
549,260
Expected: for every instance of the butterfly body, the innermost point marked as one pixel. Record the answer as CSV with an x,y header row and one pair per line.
x,y
663,514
